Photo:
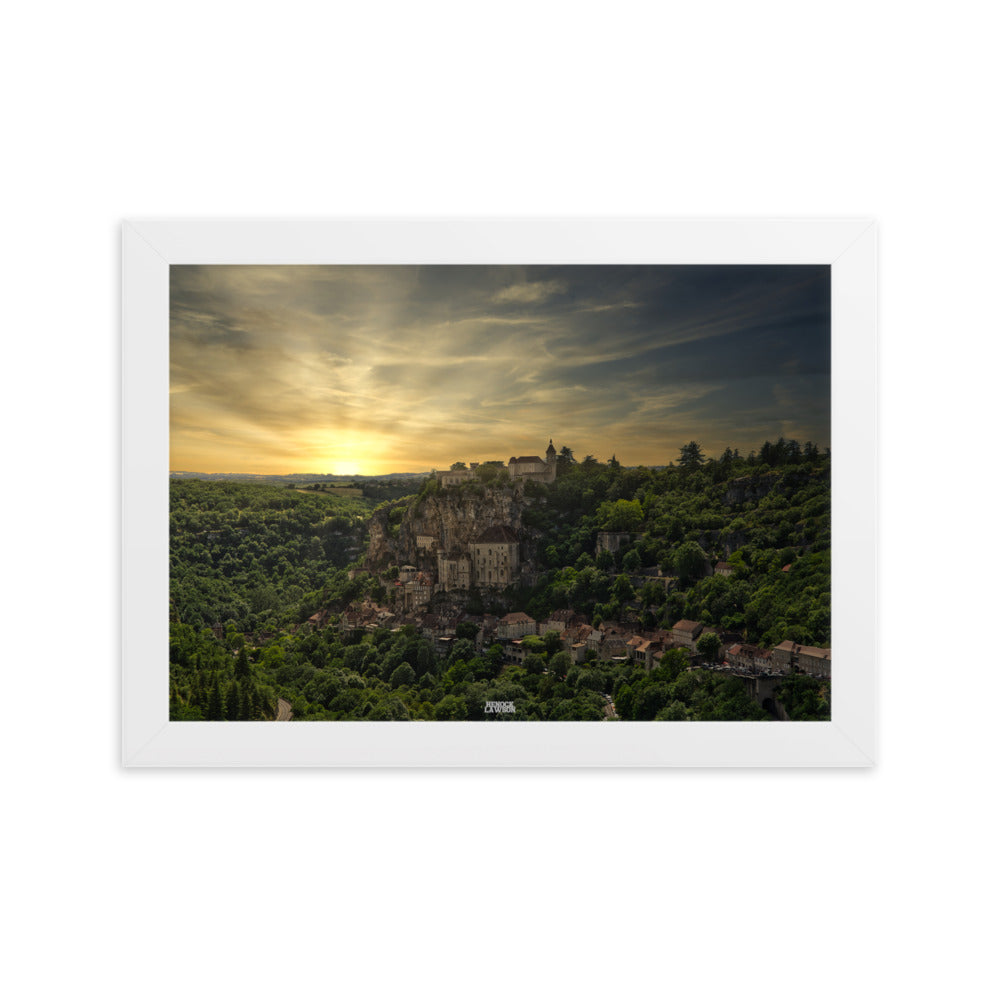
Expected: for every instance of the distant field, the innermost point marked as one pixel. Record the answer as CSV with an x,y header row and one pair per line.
x,y
337,491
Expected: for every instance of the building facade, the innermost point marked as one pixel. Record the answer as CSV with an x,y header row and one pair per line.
x,y
495,557
531,467
516,625
454,571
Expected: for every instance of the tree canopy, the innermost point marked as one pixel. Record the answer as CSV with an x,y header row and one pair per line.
x,y
691,455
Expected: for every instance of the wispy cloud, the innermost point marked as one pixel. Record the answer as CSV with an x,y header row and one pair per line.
x,y
529,292
375,369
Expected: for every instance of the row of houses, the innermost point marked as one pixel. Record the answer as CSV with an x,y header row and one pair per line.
x,y
786,658
609,641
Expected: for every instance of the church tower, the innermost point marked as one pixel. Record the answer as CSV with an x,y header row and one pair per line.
x,y
550,454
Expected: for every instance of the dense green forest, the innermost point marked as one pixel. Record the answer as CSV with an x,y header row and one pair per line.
x,y
249,564
389,675
257,556
767,515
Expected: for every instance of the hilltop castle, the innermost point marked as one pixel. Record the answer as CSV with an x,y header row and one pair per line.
x,y
533,467
523,469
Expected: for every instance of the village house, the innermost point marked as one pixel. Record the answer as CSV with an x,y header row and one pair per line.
x,y
686,632
384,618
723,569
415,587
594,639
455,477
517,651
633,643
783,657
351,620
576,633
558,621
319,619
613,647
749,659
574,641
516,625
487,632
814,661
641,650
608,640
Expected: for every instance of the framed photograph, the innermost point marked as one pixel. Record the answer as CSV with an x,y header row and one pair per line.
x,y
499,492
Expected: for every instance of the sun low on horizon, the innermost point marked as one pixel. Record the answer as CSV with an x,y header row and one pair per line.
x,y
374,370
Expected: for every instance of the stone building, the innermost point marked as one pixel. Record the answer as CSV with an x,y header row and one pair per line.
x,y
516,625
686,632
495,559
531,467
525,467
558,621
783,656
454,571
454,477
426,541
644,650
416,589
749,659
814,661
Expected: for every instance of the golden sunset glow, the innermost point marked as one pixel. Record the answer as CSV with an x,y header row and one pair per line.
x,y
374,370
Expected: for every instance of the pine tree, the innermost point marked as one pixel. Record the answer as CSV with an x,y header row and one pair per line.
x,y
245,702
214,712
691,455
232,701
242,665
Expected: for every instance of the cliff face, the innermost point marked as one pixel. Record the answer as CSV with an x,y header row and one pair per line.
x,y
750,488
410,532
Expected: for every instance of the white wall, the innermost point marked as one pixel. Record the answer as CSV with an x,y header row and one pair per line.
x,y
475,884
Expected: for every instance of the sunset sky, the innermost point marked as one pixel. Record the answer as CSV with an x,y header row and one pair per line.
x,y
370,370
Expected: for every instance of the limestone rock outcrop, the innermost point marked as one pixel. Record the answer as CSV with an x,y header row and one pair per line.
x,y
413,532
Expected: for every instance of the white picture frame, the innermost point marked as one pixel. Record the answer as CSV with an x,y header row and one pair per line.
x,y
149,247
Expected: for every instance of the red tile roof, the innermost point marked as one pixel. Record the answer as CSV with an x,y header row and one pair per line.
x,y
517,616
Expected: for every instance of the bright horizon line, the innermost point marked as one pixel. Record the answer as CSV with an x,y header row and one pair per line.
x,y
233,472
431,468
